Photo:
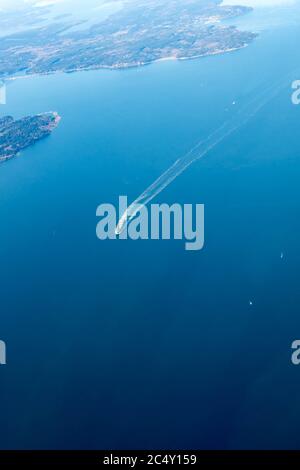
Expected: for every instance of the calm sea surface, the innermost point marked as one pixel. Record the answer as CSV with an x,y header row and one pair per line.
x,y
123,344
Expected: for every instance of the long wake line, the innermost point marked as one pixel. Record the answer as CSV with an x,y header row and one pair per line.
x,y
199,151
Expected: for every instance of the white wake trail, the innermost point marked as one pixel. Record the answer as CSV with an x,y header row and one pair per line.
x,y
199,151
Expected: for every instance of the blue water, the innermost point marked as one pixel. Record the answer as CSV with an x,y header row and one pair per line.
x,y
124,344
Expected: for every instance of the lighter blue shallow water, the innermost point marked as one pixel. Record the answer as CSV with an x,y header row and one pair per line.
x,y
126,344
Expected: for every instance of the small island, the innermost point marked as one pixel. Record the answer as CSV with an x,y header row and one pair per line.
x,y
16,135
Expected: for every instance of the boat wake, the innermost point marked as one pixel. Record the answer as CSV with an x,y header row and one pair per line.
x,y
240,118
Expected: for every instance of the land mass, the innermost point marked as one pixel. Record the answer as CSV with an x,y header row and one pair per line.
x,y
140,33
16,135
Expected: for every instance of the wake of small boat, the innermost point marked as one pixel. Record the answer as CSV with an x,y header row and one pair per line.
x,y
241,117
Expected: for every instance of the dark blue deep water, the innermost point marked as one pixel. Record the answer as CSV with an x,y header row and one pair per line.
x,y
124,344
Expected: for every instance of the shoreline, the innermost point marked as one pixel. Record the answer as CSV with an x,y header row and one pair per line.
x,y
121,67
45,131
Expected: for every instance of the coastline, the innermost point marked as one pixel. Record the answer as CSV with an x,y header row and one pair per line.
x,y
123,66
38,133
